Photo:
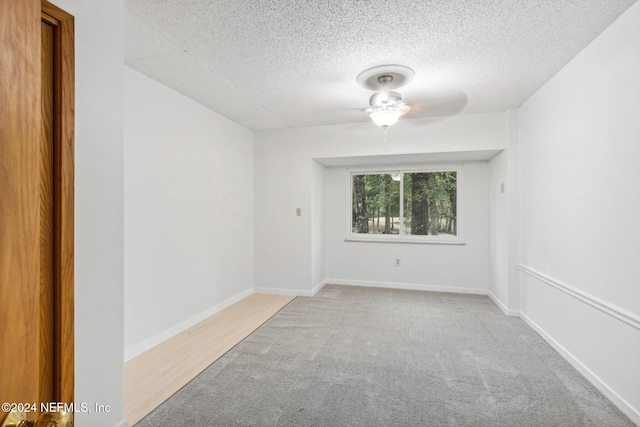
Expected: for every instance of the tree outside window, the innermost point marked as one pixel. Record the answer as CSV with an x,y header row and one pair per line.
x,y
405,203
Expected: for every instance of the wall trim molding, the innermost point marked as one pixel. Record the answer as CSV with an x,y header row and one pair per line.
x,y
600,304
622,404
408,286
282,291
149,343
290,292
505,310
318,287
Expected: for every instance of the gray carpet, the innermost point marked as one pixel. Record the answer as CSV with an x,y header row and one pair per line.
x,y
354,356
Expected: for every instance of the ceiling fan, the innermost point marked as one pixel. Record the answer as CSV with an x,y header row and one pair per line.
x,y
386,104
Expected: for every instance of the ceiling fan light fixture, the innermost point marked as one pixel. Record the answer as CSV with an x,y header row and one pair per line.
x,y
386,104
385,118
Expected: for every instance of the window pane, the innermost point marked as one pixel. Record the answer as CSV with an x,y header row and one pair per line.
x,y
430,203
376,204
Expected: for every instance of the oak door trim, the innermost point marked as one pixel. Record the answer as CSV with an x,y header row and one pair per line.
x,y
64,107
20,129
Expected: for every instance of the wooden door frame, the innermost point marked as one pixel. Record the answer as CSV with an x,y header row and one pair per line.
x,y
63,184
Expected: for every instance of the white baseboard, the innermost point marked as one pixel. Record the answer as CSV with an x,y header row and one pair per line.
x,y
281,291
505,310
122,423
290,292
147,344
622,404
408,286
318,287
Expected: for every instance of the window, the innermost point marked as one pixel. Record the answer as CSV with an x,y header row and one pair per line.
x,y
412,205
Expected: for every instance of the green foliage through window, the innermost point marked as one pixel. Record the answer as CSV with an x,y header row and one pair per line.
x,y
405,203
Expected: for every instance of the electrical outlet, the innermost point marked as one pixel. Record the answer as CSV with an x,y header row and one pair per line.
x,y
502,187
397,262
298,211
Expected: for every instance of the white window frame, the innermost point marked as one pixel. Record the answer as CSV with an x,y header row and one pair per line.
x,y
400,238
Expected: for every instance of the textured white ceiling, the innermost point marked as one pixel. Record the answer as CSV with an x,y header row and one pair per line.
x,y
276,64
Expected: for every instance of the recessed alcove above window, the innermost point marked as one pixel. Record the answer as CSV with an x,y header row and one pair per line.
x,y
408,158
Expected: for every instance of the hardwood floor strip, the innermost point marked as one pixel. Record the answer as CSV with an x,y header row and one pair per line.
x,y
155,375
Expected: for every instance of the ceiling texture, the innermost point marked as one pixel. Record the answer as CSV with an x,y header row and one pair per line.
x,y
292,63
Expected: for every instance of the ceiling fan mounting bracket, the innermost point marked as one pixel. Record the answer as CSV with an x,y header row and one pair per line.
x,y
385,77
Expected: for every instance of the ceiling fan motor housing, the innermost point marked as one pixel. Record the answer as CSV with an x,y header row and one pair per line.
x,y
384,99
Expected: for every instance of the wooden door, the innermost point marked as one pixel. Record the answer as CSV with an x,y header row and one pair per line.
x,y
36,204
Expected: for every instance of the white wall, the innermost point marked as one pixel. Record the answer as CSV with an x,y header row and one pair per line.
x,y
188,212
462,268
285,178
580,204
98,208
499,229
504,283
282,182
318,264
451,134
512,189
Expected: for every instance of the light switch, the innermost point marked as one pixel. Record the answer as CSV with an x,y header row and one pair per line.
x,y
298,211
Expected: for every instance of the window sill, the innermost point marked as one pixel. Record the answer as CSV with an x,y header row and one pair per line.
x,y
410,241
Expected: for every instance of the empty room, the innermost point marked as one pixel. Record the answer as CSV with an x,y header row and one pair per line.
x,y
407,213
